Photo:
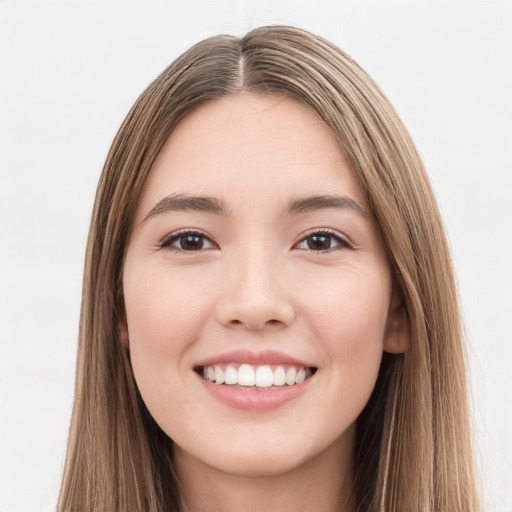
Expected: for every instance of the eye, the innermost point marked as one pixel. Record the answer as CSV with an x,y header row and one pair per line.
x,y
187,241
324,240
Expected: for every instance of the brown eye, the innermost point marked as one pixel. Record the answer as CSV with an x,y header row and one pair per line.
x,y
187,241
323,241
319,242
191,242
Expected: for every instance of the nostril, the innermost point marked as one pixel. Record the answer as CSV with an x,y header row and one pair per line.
x,y
253,323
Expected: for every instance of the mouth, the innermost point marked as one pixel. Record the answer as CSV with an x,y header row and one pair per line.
x,y
255,377
255,382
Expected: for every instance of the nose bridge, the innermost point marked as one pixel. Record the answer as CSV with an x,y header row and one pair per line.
x,y
255,292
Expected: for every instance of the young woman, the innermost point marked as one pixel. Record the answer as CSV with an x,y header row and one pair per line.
x,y
269,316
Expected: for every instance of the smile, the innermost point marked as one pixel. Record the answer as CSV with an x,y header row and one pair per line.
x,y
255,381
260,377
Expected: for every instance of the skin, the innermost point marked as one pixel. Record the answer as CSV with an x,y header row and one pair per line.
x,y
256,284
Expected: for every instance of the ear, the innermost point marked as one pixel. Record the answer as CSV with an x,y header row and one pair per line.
x,y
398,329
122,324
123,331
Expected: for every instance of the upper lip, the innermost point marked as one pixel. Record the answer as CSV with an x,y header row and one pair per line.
x,y
270,357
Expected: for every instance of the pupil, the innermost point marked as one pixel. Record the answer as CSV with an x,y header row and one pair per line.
x,y
319,242
191,242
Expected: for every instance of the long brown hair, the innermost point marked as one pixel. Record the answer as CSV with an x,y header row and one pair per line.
x,y
412,447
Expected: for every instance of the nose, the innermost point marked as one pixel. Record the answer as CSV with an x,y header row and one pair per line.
x,y
255,295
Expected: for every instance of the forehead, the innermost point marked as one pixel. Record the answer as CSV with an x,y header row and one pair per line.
x,y
251,147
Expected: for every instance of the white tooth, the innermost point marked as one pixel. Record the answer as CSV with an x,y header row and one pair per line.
x,y
219,375
246,375
205,372
210,373
279,376
264,377
290,376
230,375
301,376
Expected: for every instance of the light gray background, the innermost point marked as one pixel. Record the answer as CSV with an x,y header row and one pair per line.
x,y
69,71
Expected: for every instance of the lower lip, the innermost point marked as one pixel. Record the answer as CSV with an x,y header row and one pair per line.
x,y
254,399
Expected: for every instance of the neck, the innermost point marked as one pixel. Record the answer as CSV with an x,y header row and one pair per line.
x,y
323,483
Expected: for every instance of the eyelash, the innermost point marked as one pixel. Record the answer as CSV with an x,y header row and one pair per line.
x,y
173,237
342,243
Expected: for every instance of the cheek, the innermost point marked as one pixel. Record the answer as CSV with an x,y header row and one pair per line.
x,y
349,323
165,314
164,308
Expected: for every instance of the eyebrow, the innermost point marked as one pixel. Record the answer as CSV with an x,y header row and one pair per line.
x,y
312,203
183,202
212,205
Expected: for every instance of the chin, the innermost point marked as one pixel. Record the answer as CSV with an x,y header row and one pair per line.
x,y
255,463
266,455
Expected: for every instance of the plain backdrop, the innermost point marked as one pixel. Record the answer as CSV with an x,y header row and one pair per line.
x,y
69,71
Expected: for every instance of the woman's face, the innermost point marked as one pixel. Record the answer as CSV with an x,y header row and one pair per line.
x,y
255,260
